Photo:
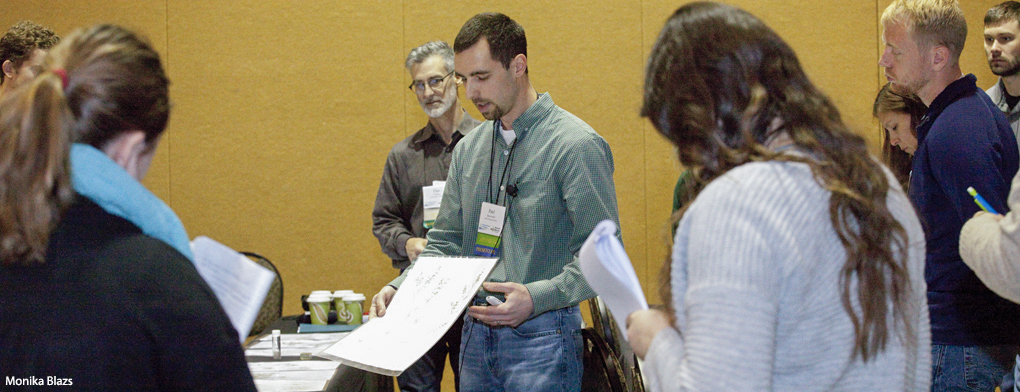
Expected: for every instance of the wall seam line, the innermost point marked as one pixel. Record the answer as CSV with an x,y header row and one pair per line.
x,y
169,146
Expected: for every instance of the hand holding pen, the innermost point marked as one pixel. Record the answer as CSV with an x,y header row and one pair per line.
x,y
981,202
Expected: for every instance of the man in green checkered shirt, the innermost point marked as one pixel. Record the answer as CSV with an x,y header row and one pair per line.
x,y
551,177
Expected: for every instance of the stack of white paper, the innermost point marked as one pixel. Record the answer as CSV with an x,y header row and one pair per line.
x,y
609,272
239,283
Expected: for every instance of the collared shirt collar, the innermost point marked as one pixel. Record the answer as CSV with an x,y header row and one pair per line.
x,y
538,110
429,131
952,93
1000,98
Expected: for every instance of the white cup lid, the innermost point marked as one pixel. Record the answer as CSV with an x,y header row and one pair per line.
x,y
354,297
319,298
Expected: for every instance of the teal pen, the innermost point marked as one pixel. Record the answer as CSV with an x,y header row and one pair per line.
x,y
981,202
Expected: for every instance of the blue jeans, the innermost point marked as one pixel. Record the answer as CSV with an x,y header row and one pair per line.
x,y
426,374
542,354
1013,384
970,368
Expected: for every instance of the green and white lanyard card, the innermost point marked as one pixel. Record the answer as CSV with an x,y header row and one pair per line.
x,y
490,225
431,198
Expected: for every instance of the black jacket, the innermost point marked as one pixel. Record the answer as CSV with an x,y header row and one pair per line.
x,y
114,309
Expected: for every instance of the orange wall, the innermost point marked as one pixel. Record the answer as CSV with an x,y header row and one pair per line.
x,y
284,110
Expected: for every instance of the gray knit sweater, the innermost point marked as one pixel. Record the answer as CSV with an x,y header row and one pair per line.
x,y
756,266
992,248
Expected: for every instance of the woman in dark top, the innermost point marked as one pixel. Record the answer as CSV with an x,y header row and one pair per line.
x,y
98,292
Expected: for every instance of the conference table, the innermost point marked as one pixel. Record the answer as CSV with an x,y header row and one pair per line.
x,y
298,370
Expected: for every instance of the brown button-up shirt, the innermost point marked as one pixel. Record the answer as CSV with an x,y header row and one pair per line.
x,y
414,162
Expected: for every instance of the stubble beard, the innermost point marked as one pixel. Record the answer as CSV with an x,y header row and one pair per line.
x,y
1011,68
495,114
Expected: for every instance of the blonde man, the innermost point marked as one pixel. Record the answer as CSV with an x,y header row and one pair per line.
x,y
974,332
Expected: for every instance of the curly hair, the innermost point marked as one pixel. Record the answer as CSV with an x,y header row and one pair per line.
x,y
719,85
21,40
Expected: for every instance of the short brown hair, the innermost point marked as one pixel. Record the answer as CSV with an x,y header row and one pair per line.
x,y
505,36
1002,13
21,40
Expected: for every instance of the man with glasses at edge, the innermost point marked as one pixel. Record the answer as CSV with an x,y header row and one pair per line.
x,y
415,162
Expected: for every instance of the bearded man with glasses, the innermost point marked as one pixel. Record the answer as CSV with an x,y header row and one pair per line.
x,y
398,219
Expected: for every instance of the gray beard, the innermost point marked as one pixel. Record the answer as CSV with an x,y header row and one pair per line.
x,y
445,104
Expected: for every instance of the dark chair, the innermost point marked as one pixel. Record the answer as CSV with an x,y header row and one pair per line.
x,y
272,306
602,369
605,326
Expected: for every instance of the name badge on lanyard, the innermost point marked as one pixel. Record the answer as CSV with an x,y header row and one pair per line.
x,y
490,226
431,197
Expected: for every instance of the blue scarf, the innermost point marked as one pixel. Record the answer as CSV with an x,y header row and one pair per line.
x,y
99,178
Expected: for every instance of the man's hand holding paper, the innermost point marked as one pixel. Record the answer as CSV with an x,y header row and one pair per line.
x,y
380,301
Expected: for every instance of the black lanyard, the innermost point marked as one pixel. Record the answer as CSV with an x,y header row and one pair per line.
x,y
504,177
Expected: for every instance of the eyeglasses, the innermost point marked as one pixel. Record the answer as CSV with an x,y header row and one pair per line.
x,y
434,83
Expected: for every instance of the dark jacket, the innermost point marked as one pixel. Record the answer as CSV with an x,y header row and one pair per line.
x,y
114,310
963,141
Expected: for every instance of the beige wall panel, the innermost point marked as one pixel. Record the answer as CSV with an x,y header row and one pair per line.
x,y
586,54
147,17
661,166
281,131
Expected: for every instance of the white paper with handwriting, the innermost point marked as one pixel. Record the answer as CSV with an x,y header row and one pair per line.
x,y
239,283
431,298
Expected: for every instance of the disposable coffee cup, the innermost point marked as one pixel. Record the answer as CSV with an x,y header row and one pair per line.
x,y
318,307
342,315
325,293
355,305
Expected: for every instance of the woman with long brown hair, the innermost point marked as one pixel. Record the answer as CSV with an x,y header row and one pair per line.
x,y
799,264
899,116
97,291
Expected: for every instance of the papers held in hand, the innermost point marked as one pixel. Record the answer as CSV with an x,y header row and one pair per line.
x,y
609,272
239,283
431,299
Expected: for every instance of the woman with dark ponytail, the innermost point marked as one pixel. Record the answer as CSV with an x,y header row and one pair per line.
x,y
799,264
97,288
